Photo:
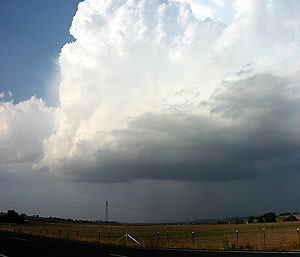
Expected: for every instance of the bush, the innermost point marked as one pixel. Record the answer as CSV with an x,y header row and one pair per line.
x,y
290,218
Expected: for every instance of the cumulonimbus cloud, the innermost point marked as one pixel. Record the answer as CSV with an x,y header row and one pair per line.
x,y
150,91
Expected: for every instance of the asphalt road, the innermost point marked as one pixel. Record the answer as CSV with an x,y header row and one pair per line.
x,y
19,245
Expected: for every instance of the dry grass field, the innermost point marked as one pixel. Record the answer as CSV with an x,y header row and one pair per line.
x,y
280,236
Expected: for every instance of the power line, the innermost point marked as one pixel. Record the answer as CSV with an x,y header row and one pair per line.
x,y
153,211
51,207
98,206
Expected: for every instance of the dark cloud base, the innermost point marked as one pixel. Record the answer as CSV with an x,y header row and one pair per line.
x,y
252,125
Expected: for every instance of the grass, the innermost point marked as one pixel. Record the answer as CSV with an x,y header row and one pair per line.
x,y
280,236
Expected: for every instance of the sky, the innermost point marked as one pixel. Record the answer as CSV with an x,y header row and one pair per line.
x,y
170,110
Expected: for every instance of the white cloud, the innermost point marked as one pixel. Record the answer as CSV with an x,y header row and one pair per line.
x,y
151,90
23,127
135,80
218,9
3,95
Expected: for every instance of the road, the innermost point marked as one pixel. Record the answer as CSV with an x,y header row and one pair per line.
x,y
19,245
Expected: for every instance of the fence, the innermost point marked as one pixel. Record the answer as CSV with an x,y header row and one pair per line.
x,y
281,236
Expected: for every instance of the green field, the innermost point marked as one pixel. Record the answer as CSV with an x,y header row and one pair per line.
x,y
280,236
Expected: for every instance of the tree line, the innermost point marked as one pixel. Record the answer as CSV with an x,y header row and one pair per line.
x,y
271,217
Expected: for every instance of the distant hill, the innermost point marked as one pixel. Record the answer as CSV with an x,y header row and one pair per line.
x,y
13,217
221,220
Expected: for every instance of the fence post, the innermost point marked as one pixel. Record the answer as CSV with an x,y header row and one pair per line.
x,y
77,233
60,232
298,236
168,237
99,235
46,231
264,230
40,230
237,237
158,237
109,235
193,238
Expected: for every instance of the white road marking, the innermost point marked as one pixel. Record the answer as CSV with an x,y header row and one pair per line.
x,y
117,255
222,251
1,255
20,239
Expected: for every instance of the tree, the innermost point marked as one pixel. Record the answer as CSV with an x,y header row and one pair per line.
x,y
12,216
260,219
267,217
251,219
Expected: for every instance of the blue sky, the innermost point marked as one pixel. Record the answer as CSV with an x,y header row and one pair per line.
x,y
32,34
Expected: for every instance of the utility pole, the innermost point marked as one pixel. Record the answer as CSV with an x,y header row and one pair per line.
x,y
106,211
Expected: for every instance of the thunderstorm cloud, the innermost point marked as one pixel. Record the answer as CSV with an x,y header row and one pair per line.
x,y
154,89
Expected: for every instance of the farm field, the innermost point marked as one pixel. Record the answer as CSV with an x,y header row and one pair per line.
x,y
280,236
